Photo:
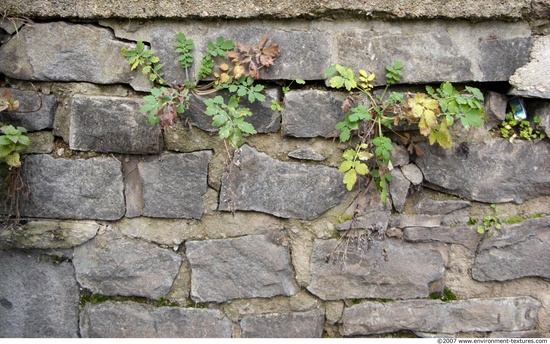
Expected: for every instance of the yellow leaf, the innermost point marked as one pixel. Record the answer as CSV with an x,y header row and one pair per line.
x,y
431,120
431,104
224,78
238,71
224,67
418,111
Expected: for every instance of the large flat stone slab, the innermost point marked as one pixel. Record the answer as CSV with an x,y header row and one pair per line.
x,y
73,189
60,51
282,189
136,320
112,125
475,315
111,264
515,251
245,267
38,298
493,171
375,270
288,325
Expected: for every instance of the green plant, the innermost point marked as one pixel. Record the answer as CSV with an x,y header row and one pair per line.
x,y
13,142
146,59
445,296
512,128
434,112
164,105
490,222
218,48
184,47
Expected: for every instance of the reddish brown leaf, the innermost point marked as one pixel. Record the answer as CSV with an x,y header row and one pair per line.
x,y
347,104
418,151
263,41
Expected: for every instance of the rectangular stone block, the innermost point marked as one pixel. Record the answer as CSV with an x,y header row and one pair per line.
x,y
289,325
475,315
73,189
35,112
112,124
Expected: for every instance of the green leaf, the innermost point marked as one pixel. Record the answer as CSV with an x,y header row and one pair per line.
x,y
345,166
13,159
247,128
349,179
362,169
345,134
24,140
476,92
219,120
225,131
300,81
349,154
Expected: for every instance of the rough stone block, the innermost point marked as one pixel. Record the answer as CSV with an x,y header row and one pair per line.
x,y
111,264
173,186
73,189
135,320
112,124
46,234
467,236
283,189
263,118
399,189
55,52
541,109
495,109
311,113
462,51
306,153
378,270
428,206
475,315
412,173
245,267
36,110
493,171
42,142
515,251
289,325
37,297
533,78
404,221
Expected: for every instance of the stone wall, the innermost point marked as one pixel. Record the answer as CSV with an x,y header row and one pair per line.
x,y
131,231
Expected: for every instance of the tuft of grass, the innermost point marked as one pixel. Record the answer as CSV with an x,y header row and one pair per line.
x,y
446,296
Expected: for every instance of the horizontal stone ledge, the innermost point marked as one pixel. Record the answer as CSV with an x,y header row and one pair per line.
x,y
472,9
284,325
474,315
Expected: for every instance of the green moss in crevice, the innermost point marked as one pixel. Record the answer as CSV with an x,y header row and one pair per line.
x,y
87,296
513,220
446,296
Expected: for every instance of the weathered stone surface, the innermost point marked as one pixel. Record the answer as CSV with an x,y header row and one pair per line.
x,y
386,269
245,267
311,113
173,185
495,109
285,190
50,234
540,9
161,231
399,189
288,325
73,189
412,173
111,264
541,109
404,221
37,297
399,155
56,52
494,171
35,111
376,221
282,9
136,320
515,251
533,79
499,49
428,206
467,236
42,142
263,118
306,153
112,124
475,315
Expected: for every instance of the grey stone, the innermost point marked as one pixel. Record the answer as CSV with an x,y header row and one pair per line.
x,y
173,185
263,118
288,325
474,315
428,206
461,51
400,9
399,189
515,251
312,113
47,234
399,155
42,142
404,221
459,217
263,184
73,189
541,108
306,153
493,171
245,267
533,79
135,320
465,235
412,173
36,110
495,109
112,124
540,9
55,52
500,58
388,269
111,264
38,298
376,220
